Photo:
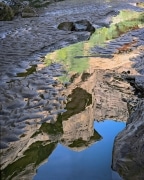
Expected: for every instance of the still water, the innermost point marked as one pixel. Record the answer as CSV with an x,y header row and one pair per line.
x,y
93,163
48,110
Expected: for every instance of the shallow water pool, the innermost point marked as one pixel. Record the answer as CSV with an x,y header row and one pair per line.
x,y
93,163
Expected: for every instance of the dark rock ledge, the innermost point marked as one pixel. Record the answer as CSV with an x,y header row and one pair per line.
x,y
128,151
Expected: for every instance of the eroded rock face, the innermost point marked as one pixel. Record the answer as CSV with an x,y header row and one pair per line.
x,y
128,158
110,94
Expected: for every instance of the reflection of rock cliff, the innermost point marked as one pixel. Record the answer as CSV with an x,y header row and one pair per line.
x,y
109,97
74,128
25,165
78,128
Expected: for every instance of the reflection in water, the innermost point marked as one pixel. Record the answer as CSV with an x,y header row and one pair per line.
x,y
72,128
92,163
79,100
69,123
35,155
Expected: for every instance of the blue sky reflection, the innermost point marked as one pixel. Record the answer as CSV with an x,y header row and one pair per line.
x,y
93,163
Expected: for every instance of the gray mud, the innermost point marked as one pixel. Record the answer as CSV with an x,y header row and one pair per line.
x,y
29,92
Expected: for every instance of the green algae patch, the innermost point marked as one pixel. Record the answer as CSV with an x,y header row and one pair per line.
x,y
33,156
66,56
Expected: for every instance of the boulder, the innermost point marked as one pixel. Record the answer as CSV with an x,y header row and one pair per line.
x,y
28,12
66,26
82,25
6,13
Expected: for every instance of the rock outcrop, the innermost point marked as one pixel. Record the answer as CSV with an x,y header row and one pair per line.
x,y
128,150
82,25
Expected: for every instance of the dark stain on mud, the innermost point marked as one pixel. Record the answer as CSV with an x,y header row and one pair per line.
x,y
29,71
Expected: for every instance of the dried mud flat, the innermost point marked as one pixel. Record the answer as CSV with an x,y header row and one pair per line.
x,y
30,93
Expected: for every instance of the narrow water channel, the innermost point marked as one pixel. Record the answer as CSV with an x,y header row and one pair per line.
x,y
92,163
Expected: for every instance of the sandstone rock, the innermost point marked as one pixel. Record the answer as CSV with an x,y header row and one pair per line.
x,y
6,13
128,158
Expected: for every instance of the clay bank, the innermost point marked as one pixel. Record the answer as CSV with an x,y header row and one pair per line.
x,y
63,67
